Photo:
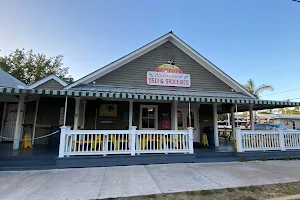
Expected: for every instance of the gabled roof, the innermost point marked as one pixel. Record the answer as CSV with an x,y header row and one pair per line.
x,y
46,79
7,80
169,37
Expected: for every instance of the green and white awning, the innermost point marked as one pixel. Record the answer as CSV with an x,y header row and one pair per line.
x,y
121,95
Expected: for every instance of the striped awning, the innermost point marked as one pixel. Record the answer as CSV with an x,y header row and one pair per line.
x,y
145,96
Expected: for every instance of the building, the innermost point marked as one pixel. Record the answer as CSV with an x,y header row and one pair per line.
x,y
290,121
159,99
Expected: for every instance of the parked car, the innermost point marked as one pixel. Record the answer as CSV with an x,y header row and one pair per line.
x,y
271,127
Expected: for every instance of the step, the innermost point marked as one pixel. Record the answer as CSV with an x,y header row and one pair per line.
x,y
24,158
23,168
215,159
27,163
213,154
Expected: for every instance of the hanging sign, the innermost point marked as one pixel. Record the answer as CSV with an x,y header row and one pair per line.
x,y
168,75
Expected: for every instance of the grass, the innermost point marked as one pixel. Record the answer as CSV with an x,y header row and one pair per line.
x,y
287,158
255,189
247,198
241,159
242,188
263,158
240,193
206,192
230,189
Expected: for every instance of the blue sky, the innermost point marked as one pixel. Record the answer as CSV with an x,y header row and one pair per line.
x,y
246,39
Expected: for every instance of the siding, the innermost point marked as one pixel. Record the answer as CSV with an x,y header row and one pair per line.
x,y
134,72
51,84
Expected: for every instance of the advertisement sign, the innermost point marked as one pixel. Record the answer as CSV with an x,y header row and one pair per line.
x,y
108,110
166,121
168,75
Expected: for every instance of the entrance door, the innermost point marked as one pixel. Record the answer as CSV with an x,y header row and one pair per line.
x,y
10,122
183,121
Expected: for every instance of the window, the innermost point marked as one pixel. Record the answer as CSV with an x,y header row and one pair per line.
x,y
148,117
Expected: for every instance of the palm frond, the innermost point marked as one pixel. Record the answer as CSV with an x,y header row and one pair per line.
x,y
255,91
263,88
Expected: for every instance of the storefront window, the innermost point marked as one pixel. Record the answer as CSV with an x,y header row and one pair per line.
x,y
148,117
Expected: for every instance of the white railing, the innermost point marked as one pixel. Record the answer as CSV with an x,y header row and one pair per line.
x,y
292,139
260,140
108,142
159,141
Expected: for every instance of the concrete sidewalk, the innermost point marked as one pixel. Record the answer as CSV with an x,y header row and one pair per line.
x,y
97,183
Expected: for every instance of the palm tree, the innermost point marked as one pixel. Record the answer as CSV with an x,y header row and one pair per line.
x,y
256,91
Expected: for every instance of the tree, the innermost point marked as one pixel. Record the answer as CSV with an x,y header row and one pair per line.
x,y
30,67
256,91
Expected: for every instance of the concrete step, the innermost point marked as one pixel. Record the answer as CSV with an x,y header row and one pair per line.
x,y
23,168
213,154
215,159
20,161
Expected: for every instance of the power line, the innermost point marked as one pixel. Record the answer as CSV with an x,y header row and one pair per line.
x,y
282,91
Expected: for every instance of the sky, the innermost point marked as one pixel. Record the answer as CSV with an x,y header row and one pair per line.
x,y
246,39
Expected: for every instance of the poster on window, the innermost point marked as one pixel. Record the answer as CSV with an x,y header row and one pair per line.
x,y
108,110
108,113
166,121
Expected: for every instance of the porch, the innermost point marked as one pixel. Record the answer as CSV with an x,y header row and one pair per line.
x,y
115,128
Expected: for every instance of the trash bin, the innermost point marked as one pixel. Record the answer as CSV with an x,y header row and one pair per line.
x,y
209,130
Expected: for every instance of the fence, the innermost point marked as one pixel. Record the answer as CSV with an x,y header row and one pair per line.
x,y
109,142
259,140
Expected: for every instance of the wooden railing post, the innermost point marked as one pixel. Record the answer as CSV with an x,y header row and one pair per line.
x,y
133,135
281,140
191,140
62,142
239,141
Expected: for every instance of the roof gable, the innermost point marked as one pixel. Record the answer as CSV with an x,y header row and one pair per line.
x,y
143,50
47,79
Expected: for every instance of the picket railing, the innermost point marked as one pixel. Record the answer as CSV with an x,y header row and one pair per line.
x,y
260,140
292,139
109,142
160,141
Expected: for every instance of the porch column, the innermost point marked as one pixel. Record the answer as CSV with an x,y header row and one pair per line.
x,y
3,119
76,115
18,127
216,131
82,114
174,115
130,114
251,116
35,118
233,122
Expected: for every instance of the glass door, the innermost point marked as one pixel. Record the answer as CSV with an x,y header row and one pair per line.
x,y
183,121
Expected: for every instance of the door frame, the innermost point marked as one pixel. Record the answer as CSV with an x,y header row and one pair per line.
x,y
155,116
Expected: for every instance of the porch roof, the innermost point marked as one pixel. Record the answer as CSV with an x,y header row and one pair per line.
x,y
192,96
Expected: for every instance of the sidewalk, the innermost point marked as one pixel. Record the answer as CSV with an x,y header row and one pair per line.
x,y
97,183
